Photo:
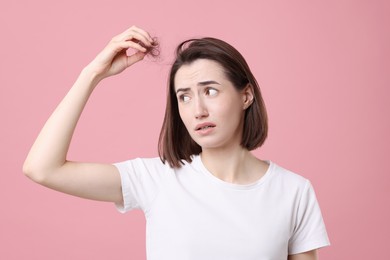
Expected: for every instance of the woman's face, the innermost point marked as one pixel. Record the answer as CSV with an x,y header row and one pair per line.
x,y
210,107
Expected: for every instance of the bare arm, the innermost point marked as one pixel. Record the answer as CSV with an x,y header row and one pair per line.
x,y
47,161
310,255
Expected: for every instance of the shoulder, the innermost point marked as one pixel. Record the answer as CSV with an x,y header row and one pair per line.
x,y
142,167
287,179
153,163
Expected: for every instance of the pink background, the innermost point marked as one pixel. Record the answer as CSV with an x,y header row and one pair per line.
x,y
324,70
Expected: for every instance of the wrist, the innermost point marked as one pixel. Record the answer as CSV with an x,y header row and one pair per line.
x,y
91,75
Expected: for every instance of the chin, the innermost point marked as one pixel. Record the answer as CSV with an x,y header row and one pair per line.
x,y
210,145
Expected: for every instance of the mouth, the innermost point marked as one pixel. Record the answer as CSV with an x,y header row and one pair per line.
x,y
204,126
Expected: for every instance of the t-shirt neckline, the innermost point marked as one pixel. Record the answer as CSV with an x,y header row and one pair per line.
x,y
197,160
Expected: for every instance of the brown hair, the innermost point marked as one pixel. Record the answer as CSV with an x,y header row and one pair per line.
x,y
175,143
154,50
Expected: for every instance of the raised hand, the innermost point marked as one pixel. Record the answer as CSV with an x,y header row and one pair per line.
x,y
113,59
47,161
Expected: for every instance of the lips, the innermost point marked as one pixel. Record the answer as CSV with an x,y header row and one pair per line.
x,y
204,126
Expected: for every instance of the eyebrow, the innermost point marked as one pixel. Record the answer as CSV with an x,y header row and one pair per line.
x,y
202,83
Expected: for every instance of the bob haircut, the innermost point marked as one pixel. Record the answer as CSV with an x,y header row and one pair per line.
x,y
175,143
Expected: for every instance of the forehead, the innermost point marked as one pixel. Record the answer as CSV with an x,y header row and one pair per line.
x,y
198,71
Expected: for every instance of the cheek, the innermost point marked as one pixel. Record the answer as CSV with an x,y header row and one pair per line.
x,y
231,111
232,115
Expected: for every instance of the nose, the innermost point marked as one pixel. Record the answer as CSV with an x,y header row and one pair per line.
x,y
200,108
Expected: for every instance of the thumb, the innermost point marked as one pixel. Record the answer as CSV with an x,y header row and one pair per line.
x,y
135,58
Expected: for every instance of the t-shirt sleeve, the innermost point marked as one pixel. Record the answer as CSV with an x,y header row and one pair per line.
x,y
309,231
141,181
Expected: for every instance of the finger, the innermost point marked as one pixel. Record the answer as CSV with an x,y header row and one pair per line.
x,y
137,37
135,58
142,32
119,46
137,33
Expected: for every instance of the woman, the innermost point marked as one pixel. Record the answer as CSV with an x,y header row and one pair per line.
x,y
207,196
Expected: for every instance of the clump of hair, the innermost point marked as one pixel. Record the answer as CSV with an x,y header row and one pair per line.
x,y
154,50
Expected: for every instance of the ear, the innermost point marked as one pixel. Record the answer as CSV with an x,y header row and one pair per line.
x,y
247,96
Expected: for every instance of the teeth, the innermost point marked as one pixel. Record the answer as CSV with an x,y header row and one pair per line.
x,y
205,127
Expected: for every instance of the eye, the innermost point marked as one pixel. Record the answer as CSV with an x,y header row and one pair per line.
x,y
211,92
184,98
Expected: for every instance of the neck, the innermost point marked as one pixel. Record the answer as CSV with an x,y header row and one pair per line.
x,y
230,165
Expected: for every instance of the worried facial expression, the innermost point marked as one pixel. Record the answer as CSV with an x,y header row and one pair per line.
x,y
211,108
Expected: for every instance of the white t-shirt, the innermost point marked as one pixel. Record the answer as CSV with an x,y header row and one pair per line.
x,y
191,214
